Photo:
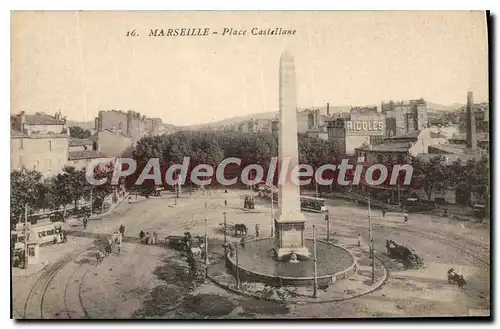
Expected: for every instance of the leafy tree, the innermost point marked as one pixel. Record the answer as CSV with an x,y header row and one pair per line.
x,y
79,132
149,147
26,188
433,173
478,177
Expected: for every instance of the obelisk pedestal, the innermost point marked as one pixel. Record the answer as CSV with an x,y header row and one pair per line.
x,y
290,222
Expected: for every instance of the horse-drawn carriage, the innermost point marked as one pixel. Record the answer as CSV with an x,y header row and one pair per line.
x,y
234,229
454,277
403,254
183,243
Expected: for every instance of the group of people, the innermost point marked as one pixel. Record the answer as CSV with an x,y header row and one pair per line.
x,y
148,237
249,203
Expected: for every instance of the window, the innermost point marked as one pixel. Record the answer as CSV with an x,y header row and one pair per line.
x,y
31,251
50,145
21,143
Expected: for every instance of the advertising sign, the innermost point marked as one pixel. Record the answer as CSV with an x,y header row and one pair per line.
x,y
365,127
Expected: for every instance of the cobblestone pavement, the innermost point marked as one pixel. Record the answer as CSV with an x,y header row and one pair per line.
x,y
135,283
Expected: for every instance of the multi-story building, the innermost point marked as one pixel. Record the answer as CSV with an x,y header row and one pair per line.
x,y
409,115
112,143
39,142
131,124
83,151
481,115
311,120
366,126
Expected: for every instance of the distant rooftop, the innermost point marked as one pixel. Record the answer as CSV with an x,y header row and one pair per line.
x,y
80,142
400,147
411,135
41,118
86,154
480,137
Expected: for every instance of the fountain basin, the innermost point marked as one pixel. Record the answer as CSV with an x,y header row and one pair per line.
x,y
256,262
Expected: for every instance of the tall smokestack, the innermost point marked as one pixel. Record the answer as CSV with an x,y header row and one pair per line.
x,y
471,123
328,109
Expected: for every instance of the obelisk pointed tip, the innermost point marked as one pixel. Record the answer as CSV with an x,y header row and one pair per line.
x,y
286,56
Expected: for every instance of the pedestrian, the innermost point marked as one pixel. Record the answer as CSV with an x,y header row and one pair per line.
x,y
383,212
155,238
359,240
406,217
130,199
122,230
257,226
142,235
225,203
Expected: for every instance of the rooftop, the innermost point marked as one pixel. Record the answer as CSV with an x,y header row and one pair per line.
x,y
41,118
80,142
449,158
411,135
457,149
399,147
87,154
480,137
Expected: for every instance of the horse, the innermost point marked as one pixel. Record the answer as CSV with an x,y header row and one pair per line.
x,y
240,228
196,251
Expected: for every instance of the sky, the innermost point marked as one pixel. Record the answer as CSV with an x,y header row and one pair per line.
x,y
83,62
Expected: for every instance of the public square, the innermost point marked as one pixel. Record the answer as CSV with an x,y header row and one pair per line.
x,y
152,281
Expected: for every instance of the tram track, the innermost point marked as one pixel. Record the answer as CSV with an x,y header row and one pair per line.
x,y
438,237
34,304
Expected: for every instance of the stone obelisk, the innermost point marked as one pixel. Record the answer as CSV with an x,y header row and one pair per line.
x,y
290,222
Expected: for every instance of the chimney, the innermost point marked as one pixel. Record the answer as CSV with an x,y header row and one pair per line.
x,y
99,121
328,109
22,120
471,123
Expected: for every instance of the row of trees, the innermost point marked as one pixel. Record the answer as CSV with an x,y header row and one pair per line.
x,y
472,176
211,147
79,132
29,187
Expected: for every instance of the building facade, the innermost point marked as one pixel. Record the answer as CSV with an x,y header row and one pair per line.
x,y
409,115
39,142
112,143
130,124
365,127
83,151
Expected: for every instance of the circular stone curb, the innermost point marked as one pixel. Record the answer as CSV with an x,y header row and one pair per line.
x,y
343,274
301,302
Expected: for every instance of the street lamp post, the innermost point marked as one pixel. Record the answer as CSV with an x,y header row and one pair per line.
x,y
225,228
272,213
315,292
372,252
327,217
237,267
206,241
26,236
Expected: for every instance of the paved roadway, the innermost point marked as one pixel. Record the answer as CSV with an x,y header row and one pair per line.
x,y
441,242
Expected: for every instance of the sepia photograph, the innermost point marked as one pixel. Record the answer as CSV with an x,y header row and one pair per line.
x,y
250,165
